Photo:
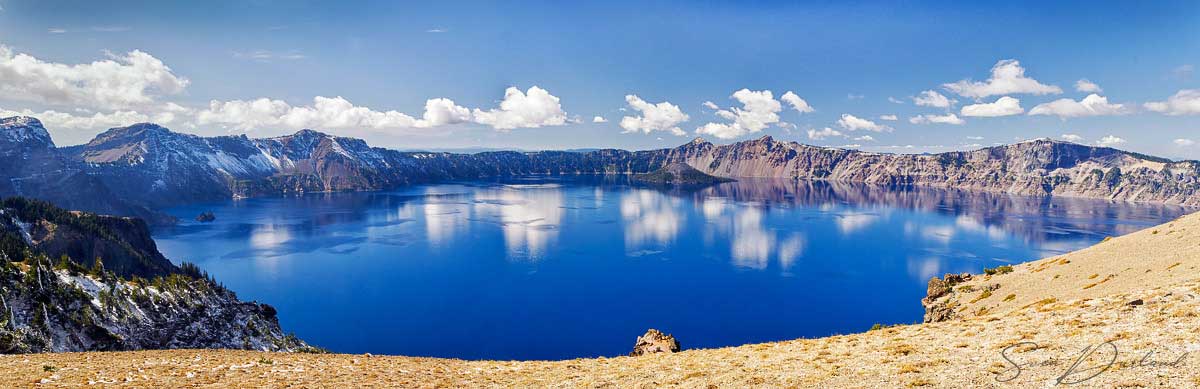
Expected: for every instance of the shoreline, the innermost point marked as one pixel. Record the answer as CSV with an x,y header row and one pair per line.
x,y
1149,307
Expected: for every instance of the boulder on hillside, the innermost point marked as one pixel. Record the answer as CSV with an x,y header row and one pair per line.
x,y
653,342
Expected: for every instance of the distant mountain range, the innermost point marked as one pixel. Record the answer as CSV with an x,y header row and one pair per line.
x,y
136,169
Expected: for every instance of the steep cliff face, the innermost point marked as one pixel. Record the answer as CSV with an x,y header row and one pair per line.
x,y
130,170
31,165
56,296
1040,167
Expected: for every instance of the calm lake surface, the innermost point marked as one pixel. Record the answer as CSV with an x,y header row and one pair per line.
x,y
563,267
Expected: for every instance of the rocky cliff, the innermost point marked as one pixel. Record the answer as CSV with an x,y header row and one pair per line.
x,y
73,281
130,170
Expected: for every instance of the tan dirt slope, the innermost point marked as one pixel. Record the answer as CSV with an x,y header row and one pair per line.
x,y
1057,305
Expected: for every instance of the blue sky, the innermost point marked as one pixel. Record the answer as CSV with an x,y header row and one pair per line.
x,y
201,68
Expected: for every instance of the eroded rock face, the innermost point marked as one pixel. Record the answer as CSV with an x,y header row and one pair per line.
x,y
129,170
653,342
132,299
938,302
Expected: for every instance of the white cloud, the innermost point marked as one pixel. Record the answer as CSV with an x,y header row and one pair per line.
x,y
1004,106
975,137
796,102
865,138
57,30
759,110
888,117
599,119
531,109
1008,77
949,118
711,105
1109,141
1083,85
132,80
854,123
436,30
1072,138
62,120
663,116
442,111
824,133
1184,102
1092,105
1182,142
895,100
934,99
324,113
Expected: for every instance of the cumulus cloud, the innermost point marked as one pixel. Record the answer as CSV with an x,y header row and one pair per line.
x,y
599,119
663,116
1183,142
1072,138
934,99
759,110
949,118
796,102
122,81
531,109
63,120
1184,102
1083,85
1092,105
442,111
1109,141
1004,106
854,123
824,133
891,118
865,138
1008,77
325,112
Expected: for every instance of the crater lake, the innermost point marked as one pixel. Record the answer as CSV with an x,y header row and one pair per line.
x,y
579,266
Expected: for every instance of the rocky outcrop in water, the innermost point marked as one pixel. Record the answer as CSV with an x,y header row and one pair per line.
x,y
654,342
72,281
679,174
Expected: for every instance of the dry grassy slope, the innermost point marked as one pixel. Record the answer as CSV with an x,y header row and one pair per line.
x,y
1162,255
965,352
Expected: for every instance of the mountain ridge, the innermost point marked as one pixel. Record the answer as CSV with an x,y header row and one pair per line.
x,y
147,166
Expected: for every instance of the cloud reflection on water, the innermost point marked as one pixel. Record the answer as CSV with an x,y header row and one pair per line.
x,y
529,216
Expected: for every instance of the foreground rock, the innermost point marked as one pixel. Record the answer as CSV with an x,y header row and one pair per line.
x,y
108,288
654,342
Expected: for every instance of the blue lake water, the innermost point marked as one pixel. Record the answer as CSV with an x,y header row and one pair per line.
x,y
563,267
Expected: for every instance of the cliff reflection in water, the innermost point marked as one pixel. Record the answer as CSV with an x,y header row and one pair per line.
x,y
555,267
1035,219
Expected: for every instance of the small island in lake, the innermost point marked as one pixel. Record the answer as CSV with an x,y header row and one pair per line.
x,y
679,173
206,217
